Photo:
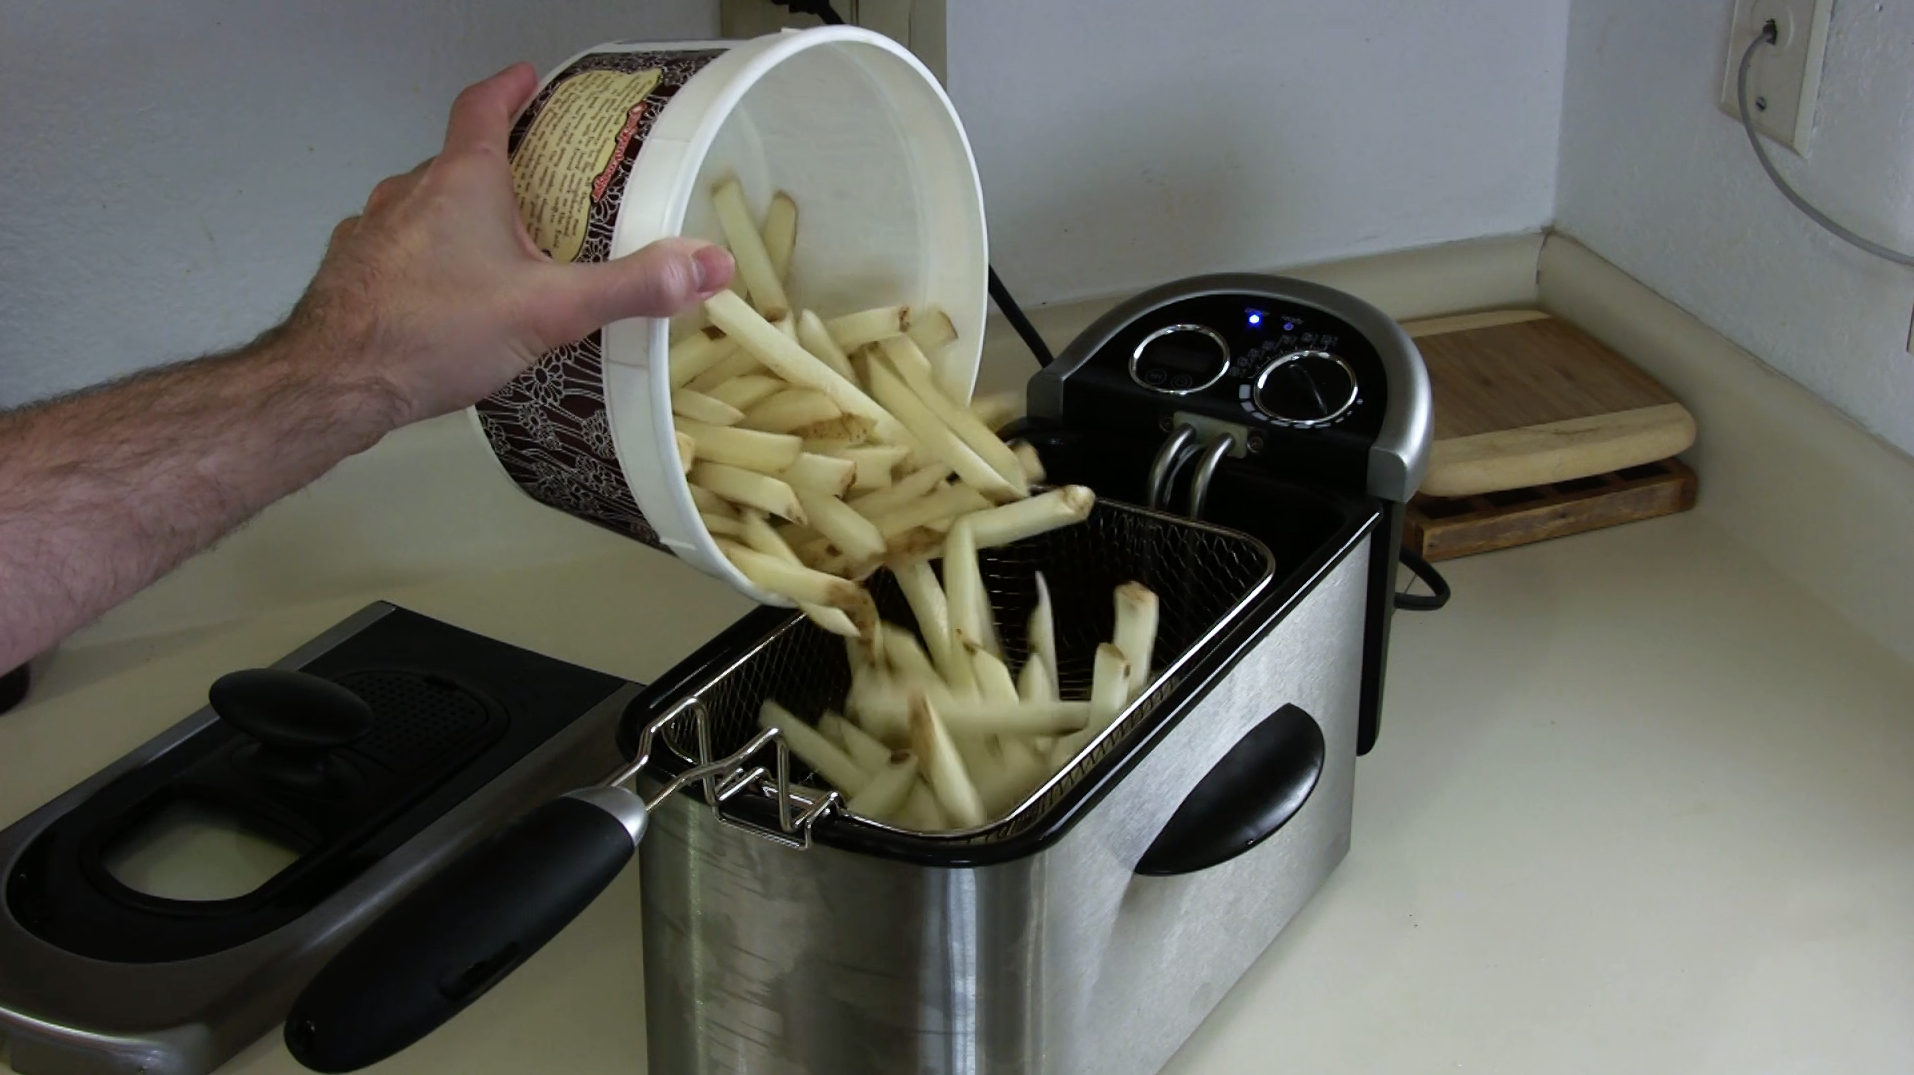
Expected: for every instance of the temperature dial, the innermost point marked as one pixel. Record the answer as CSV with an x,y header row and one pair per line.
x,y
1306,389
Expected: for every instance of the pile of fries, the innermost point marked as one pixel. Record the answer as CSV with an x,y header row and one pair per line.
x,y
818,451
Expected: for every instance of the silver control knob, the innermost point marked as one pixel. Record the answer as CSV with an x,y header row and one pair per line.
x,y
1306,389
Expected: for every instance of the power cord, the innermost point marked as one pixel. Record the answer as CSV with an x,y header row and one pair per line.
x,y
999,294
1771,34
1439,593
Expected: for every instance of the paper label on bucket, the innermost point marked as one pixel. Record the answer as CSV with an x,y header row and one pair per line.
x,y
572,151
568,155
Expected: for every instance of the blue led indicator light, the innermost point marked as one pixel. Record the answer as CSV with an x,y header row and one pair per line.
x,y
1255,317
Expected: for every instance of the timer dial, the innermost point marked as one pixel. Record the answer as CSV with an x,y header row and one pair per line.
x,y
1180,359
1306,389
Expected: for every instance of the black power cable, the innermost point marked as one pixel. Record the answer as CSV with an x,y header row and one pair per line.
x,y
999,294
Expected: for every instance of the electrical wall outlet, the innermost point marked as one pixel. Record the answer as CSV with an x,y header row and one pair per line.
x,y
918,25
1785,77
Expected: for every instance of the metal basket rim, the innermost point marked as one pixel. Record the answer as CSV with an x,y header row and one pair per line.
x,y
692,697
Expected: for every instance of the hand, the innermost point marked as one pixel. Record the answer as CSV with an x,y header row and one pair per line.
x,y
435,292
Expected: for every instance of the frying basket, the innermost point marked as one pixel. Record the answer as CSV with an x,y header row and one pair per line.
x,y
1205,579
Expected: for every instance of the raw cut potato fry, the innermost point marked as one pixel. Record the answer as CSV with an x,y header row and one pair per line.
x,y
788,326
817,340
925,595
702,408
1031,462
912,365
993,678
1135,635
903,653
970,612
687,450
841,432
697,354
833,620
710,503
751,489
735,364
937,438
1012,523
766,453
888,790
921,811
721,525
685,325
1042,632
788,360
864,749
736,286
923,542
997,410
814,750
1024,759
874,463
916,484
884,707
853,534
793,534
1034,681
747,391
1005,771
1109,684
821,473
871,704
760,537
792,580
948,503
853,331
789,409
761,279
943,766
779,233
831,726
931,330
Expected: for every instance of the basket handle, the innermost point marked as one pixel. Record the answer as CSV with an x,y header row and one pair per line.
x,y
464,930
1254,789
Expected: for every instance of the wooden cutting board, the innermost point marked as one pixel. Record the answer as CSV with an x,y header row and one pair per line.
x,y
1522,399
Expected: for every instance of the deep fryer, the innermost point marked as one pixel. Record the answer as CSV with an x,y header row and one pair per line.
x,y
1252,441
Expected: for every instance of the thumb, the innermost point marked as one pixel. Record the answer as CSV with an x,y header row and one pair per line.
x,y
662,280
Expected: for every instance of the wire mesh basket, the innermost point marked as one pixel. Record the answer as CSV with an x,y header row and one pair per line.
x,y
1204,577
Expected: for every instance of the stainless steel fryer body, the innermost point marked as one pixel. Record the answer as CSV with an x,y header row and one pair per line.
x,y
764,959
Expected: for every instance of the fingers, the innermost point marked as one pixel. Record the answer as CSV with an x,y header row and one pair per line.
x,y
482,116
662,280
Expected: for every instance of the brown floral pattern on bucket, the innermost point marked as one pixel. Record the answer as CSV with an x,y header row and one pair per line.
x,y
549,427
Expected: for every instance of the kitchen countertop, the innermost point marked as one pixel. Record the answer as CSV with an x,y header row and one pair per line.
x,y
1643,798
1638,804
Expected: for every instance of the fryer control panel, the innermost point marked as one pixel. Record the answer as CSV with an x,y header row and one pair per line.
x,y
1307,390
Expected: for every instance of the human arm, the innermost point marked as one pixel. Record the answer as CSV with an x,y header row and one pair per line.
x,y
428,301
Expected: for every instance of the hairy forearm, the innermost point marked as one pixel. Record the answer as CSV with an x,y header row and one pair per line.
x,y
429,300
105,491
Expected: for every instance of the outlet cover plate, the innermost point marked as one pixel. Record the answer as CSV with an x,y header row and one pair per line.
x,y
1784,77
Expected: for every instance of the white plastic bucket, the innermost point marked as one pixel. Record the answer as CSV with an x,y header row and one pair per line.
x,y
622,145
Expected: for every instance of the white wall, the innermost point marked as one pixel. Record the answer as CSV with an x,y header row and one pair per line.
x,y
1128,142
1655,178
171,170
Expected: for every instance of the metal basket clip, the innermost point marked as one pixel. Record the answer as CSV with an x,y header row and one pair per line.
x,y
742,772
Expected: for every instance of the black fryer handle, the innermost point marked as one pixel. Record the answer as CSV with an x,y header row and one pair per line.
x,y
463,931
1245,797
